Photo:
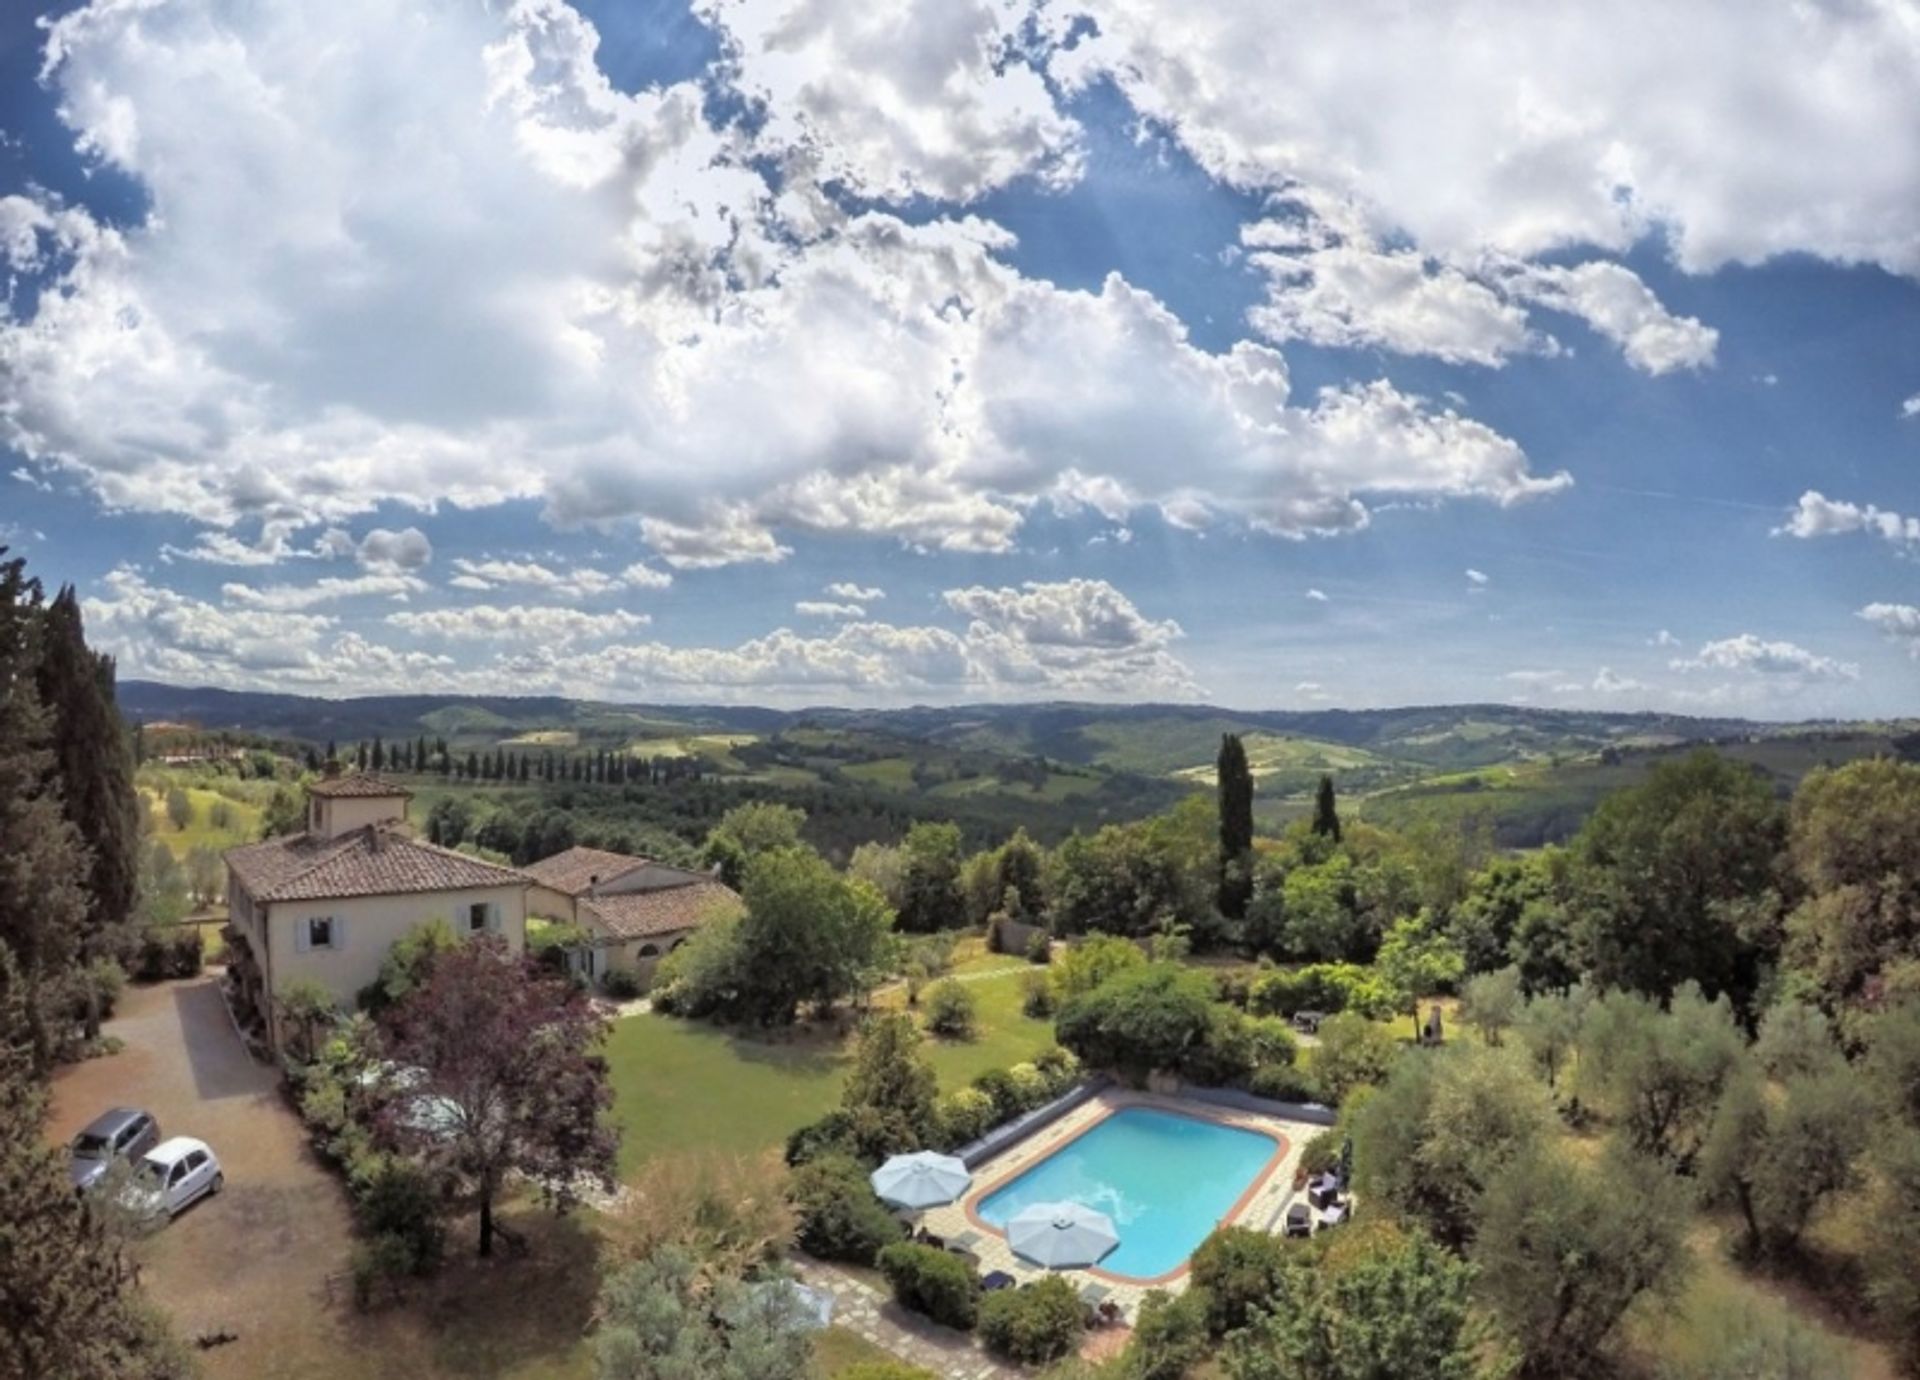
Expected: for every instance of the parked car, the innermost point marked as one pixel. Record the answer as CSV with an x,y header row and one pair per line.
x,y
123,1133
176,1174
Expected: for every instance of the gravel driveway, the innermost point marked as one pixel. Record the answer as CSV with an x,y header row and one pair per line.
x,y
254,1260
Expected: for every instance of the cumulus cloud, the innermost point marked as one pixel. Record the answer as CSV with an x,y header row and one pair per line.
x,y
1663,638
1816,515
535,286
407,549
1901,622
328,590
581,582
1470,126
934,98
817,608
1911,407
857,593
1615,302
1479,579
1754,655
517,622
1319,596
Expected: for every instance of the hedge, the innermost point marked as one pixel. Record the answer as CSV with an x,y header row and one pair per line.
x,y
932,1282
1033,1324
840,1216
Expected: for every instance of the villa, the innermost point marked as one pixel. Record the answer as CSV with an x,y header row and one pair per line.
x,y
325,905
633,911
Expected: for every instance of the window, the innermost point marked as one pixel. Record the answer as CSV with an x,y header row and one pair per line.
x,y
649,951
479,915
320,932
195,1160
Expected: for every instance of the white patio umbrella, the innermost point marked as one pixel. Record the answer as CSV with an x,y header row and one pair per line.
x,y
1061,1235
920,1180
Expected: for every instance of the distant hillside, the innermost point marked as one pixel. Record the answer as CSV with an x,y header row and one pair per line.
x,y
1531,775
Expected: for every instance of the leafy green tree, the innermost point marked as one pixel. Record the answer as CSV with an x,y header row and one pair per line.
x,y
68,1306
1564,1250
1441,1130
808,935
1491,1003
883,867
892,1084
1678,880
1326,815
1487,918
1383,1303
1777,1156
1796,1038
284,815
1352,1052
1658,1073
1321,907
1239,1272
1087,963
1892,1247
179,808
1154,1017
408,965
1549,1028
1418,960
931,897
746,831
1856,848
952,1012
1235,784
840,1216
1019,878
1169,1336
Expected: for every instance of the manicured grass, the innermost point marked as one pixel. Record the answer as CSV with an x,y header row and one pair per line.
x,y
688,1086
839,1349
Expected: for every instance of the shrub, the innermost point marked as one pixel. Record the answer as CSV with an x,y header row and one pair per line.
x,y
951,1010
1034,1323
1058,1067
1147,1017
831,1134
932,1282
1169,1336
398,1201
1234,986
1283,1083
1040,948
622,984
1036,996
840,1216
1329,988
172,951
1239,1270
1029,1086
998,1085
381,1260
964,1115
1273,1041
1226,1051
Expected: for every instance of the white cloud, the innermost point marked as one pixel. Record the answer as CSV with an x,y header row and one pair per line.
x,y
1319,596
1312,690
581,582
815,608
328,590
1069,613
1751,654
1614,301
858,593
1663,638
1472,126
1819,516
919,98
1901,622
533,286
517,622
1607,682
1478,578
1911,407
407,549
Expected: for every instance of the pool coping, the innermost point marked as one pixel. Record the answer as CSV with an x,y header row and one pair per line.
x,y
1111,1103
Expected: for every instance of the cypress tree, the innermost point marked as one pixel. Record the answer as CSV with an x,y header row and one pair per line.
x,y
93,760
1326,819
1236,827
473,765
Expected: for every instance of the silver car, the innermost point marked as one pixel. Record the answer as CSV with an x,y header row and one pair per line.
x,y
124,1133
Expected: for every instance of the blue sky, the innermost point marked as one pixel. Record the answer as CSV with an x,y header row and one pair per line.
x,y
787,351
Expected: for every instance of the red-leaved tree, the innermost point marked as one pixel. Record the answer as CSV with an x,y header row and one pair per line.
x,y
509,1078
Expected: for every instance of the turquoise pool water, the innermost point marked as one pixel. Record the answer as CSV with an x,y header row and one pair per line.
x,y
1166,1180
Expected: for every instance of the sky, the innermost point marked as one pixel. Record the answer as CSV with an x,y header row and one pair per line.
x,y
1276,353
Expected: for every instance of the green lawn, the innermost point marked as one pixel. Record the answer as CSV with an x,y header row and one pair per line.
x,y
840,1349
685,1085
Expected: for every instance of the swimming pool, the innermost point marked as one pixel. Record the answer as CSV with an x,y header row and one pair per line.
x,y
1165,1179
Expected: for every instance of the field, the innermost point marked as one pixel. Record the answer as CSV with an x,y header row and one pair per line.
x,y
200,832
689,1086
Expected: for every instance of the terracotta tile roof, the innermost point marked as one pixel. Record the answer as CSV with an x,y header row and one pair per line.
x,y
574,872
362,783
639,914
371,861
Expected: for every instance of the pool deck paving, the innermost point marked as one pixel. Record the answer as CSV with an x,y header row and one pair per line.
x,y
1260,1208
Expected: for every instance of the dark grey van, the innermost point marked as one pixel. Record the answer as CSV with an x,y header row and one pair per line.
x,y
125,1133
